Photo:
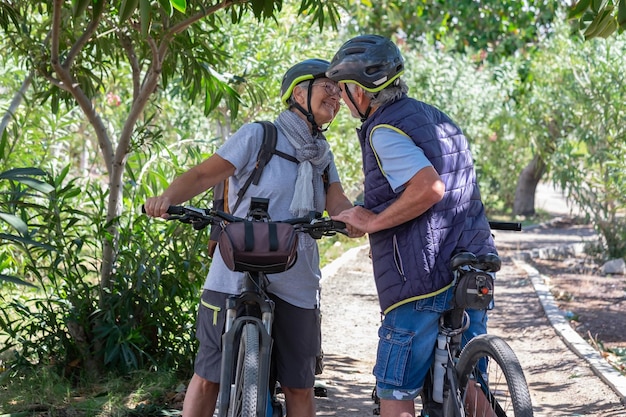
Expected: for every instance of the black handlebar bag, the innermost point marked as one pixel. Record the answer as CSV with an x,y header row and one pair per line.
x,y
268,247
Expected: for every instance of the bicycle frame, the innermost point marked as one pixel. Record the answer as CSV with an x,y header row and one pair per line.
x,y
247,357
452,325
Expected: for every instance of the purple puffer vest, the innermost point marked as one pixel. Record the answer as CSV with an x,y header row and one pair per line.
x,y
412,260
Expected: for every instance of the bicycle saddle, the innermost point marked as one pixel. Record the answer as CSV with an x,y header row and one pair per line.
x,y
489,262
462,259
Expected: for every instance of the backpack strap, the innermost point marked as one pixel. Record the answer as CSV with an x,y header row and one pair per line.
x,y
268,149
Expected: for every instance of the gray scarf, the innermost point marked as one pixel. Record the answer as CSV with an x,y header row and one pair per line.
x,y
313,153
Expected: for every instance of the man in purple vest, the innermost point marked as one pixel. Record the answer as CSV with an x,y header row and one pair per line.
x,y
421,206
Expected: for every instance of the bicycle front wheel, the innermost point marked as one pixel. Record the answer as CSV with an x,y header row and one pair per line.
x,y
491,379
245,389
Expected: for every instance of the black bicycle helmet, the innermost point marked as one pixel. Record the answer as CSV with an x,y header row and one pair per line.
x,y
371,61
309,69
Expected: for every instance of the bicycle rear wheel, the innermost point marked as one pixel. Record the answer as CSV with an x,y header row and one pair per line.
x,y
244,392
491,379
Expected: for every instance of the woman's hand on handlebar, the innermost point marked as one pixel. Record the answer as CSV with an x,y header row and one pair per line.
x,y
157,206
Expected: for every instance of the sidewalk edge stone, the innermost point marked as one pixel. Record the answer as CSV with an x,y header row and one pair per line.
x,y
572,339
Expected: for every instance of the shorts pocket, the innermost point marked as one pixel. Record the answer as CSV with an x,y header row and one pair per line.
x,y
394,350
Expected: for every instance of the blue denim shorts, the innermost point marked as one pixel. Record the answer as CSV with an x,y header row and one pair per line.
x,y
406,345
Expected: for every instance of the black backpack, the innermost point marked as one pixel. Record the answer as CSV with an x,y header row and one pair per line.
x,y
220,191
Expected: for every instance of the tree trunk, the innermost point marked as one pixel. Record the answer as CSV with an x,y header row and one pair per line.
x,y
524,203
15,103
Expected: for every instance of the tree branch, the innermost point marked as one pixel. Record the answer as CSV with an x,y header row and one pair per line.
x,y
84,38
67,83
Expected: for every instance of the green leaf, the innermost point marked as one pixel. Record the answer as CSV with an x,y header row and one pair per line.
x,y
127,8
621,13
79,6
27,241
15,221
578,9
36,184
180,5
597,5
145,9
18,172
15,280
166,5
600,23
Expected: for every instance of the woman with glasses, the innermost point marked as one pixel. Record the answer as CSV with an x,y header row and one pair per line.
x,y
304,179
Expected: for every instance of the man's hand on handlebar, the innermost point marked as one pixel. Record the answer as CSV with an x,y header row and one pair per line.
x,y
357,219
353,232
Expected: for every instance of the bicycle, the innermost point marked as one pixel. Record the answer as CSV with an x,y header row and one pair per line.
x,y
247,386
484,378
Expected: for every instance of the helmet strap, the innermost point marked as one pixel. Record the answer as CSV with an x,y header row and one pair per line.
x,y
309,113
309,117
367,112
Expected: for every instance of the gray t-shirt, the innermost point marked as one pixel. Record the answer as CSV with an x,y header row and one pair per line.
x,y
300,284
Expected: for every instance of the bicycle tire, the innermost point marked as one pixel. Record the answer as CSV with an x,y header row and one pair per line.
x,y
505,389
245,390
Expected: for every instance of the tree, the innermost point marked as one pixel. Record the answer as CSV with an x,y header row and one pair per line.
x,y
74,47
599,18
498,27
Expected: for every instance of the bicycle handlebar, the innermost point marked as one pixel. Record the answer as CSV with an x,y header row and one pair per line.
x,y
313,224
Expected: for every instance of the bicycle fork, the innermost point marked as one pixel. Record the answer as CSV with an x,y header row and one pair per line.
x,y
230,342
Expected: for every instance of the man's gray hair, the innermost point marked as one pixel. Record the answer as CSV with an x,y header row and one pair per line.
x,y
389,94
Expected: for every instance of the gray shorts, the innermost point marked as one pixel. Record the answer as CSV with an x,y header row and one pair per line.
x,y
296,332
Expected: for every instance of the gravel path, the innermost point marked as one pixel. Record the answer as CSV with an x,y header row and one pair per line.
x,y
561,383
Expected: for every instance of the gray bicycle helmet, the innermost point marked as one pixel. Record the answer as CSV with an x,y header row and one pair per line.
x,y
309,69
371,61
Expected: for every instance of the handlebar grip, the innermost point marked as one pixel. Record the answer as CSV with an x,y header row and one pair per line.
x,y
170,210
338,224
506,226
175,210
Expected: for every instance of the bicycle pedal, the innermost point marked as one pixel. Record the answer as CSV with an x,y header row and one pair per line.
x,y
320,392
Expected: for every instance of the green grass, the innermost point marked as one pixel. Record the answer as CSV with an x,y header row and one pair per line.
x,y
333,247
43,392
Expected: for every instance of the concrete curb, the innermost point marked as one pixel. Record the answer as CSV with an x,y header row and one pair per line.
x,y
573,340
345,258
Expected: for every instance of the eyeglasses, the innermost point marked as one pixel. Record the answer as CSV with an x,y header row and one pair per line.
x,y
330,89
